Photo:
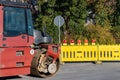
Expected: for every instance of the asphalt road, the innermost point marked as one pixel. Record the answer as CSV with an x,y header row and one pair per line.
x,y
80,71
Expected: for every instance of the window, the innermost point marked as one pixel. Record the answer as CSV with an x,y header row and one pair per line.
x,y
17,21
14,21
29,22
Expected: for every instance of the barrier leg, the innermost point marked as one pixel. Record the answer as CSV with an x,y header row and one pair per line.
x,y
98,62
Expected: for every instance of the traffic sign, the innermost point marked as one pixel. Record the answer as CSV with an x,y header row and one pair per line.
x,y
59,21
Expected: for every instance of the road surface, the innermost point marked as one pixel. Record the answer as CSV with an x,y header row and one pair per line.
x,y
80,71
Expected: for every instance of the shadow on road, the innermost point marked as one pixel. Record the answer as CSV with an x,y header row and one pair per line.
x,y
13,77
17,77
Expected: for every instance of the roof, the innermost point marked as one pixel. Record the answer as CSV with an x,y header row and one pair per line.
x,y
16,3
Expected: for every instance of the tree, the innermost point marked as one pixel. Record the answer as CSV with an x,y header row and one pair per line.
x,y
73,11
116,19
101,31
45,17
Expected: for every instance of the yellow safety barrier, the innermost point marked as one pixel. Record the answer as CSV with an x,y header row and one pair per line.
x,y
90,53
109,52
78,53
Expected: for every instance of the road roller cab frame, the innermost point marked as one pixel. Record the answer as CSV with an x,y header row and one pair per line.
x,y
16,36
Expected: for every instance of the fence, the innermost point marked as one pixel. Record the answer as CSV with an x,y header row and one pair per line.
x,y
74,53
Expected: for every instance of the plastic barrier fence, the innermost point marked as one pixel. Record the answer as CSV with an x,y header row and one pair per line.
x,y
109,52
78,53
72,53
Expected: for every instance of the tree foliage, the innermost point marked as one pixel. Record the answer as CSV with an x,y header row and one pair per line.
x,y
102,34
74,12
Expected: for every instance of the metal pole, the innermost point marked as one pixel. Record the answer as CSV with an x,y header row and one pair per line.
x,y
59,31
59,36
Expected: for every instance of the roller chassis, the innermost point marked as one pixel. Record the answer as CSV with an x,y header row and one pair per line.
x,y
45,62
